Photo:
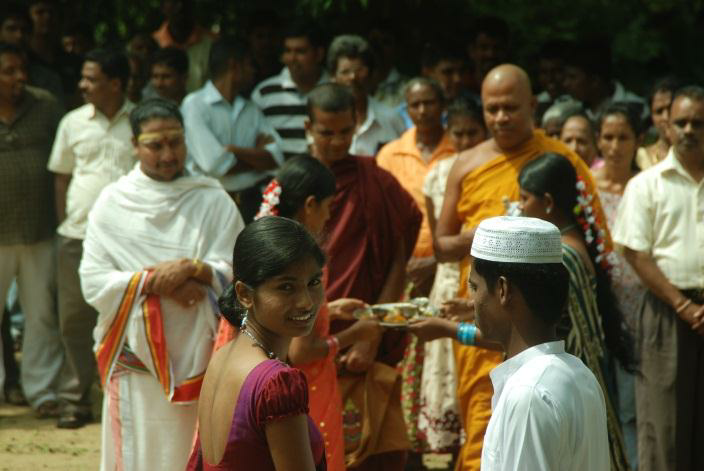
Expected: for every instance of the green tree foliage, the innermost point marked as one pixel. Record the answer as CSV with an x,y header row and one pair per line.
x,y
648,37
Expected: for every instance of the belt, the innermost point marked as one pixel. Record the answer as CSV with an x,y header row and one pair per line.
x,y
696,295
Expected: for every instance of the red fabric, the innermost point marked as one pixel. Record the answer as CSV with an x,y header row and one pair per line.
x,y
370,214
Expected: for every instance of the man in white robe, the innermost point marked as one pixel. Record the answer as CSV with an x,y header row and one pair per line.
x,y
157,254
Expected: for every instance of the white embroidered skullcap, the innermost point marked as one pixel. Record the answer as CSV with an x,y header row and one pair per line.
x,y
517,240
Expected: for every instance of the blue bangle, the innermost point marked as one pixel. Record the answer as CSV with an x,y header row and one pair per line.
x,y
466,333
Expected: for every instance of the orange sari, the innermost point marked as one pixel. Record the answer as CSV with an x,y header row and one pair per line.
x,y
484,191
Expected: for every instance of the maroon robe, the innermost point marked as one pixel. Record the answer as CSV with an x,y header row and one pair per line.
x,y
370,214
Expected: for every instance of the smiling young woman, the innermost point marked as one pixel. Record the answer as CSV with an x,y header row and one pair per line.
x,y
253,410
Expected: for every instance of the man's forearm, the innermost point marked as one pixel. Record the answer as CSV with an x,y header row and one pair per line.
x,y
453,248
653,278
258,159
61,182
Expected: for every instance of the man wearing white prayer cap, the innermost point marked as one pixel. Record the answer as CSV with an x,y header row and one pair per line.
x,y
548,410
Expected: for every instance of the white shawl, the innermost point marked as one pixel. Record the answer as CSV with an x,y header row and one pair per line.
x,y
136,223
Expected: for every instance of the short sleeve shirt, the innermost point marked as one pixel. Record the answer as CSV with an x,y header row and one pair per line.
x,y
285,107
96,151
662,214
26,187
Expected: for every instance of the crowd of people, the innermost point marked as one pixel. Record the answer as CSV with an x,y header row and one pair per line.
x,y
197,226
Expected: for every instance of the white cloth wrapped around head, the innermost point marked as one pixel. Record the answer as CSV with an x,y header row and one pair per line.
x,y
517,240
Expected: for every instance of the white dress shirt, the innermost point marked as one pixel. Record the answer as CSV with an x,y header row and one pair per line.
x,y
383,125
548,414
96,151
211,123
662,214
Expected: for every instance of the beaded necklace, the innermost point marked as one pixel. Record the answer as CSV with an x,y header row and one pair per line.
x,y
256,343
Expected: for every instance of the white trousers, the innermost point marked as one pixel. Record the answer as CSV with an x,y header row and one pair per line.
x,y
141,429
34,266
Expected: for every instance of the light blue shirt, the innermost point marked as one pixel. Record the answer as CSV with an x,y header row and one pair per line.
x,y
212,123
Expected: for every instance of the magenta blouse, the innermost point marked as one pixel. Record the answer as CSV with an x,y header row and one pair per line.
x,y
271,391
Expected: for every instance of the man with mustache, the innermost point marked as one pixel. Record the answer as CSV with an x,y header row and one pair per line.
x,y
660,225
91,149
480,184
156,256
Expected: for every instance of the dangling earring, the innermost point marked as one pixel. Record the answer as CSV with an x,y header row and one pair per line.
x,y
244,319
549,210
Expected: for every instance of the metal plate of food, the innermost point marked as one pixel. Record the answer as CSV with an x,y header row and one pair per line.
x,y
393,315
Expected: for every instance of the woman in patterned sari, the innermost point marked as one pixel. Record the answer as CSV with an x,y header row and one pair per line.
x,y
592,324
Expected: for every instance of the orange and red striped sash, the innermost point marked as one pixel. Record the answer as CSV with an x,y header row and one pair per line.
x,y
189,390
109,347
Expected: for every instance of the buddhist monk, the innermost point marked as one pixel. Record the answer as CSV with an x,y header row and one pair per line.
x,y
371,233
481,184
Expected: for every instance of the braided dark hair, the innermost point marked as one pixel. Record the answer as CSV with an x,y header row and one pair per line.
x,y
553,173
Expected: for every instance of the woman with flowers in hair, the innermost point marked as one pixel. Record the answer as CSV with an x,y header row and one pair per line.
x,y
303,190
619,134
593,324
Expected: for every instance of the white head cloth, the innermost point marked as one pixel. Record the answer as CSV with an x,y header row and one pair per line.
x,y
517,240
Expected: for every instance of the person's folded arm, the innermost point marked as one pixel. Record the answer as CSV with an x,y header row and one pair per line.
x,y
208,153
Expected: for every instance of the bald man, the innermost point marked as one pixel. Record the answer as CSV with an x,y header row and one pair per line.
x,y
481,184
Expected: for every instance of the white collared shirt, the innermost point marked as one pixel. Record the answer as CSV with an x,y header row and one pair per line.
x,y
285,107
96,151
383,125
548,414
211,123
662,214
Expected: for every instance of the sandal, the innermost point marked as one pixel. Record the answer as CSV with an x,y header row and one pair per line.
x,y
48,409
14,395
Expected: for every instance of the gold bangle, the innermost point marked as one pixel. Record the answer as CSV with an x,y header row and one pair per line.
x,y
683,305
200,266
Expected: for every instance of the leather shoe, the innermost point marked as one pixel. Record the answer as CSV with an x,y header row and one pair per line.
x,y
74,419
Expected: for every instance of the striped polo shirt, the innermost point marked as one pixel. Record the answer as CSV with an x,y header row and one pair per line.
x,y
285,109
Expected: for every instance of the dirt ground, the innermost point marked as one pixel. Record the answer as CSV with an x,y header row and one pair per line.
x,y
28,443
